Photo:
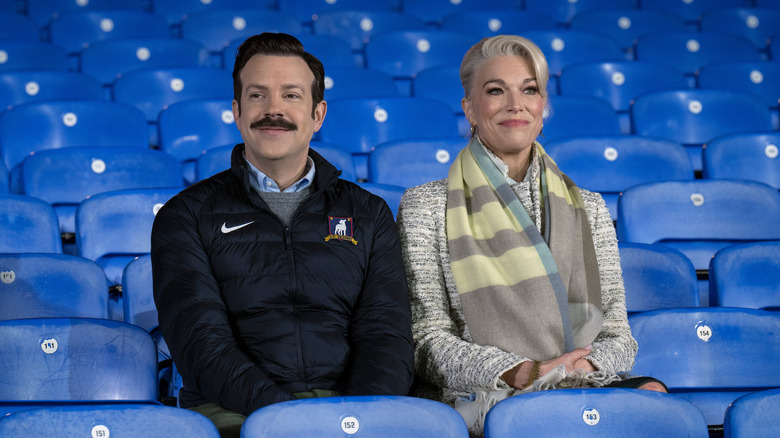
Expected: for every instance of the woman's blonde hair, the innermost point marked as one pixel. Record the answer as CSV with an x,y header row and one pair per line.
x,y
504,45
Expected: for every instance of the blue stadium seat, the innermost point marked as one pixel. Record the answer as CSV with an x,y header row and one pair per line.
x,y
337,156
695,117
115,227
190,127
109,60
750,156
307,11
32,55
753,415
332,51
17,27
368,416
689,51
756,24
29,225
390,193
77,30
746,276
51,285
342,82
609,165
50,361
403,54
492,22
603,412
563,47
755,77
657,277
3,179
38,126
443,83
12,7
125,420
384,119
213,161
626,25
216,28
709,356
43,11
619,83
176,11
18,87
412,162
434,11
579,116
767,4
699,217
692,10
65,177
564,11
357,27
774,47
137,293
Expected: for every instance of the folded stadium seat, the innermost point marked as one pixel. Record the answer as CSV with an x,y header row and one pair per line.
x,y
709,356
126,420
384,119
695,117
32,55
411,162
189,128
750,156
115,227
213,161
691,10
337,156
357,27
342,82
390,193
37,126
366,416
563,11
216,28
65,177
699,217
332,51
44,11
443,83
17,27
774,47
746,276
689,51
492,22
433,12
563,47
109,60
176,11
29,225
626,25
757,24
403,54
51,285
60,361
18,87
77,30
611,164
3,179
153,90
308,11
657,277
603,412
753,415
579,116
758,77
619,82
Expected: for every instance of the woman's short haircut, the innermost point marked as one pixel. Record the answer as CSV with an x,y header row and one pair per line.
x,y
504,45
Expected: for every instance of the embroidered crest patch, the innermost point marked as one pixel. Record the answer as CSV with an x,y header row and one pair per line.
x,y
340,228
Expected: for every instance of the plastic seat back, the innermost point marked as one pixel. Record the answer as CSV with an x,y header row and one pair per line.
x,y
626,25
127,420
749,156
176,11
343,82
43,11
17,27
753,415
137,293
691,11
29,225
337,156
756,24
216,28
76,30
602,412
51,285
308,11
411,162
746,276
370,416
32,55
563,48
564,11
3,179
390,193
357,27
492,22
579,116
657,277
755,77
18,87
213,161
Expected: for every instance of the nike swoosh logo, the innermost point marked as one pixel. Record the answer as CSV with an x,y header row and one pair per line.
x,y
225,229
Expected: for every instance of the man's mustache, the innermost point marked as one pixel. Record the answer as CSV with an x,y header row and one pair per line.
x,y
274,122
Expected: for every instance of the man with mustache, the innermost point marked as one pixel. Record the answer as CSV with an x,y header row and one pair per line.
x,y
260,298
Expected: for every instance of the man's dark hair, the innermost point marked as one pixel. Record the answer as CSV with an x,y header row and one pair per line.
x,y
277,44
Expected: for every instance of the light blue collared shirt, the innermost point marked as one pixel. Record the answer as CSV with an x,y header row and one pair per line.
x,y
263,183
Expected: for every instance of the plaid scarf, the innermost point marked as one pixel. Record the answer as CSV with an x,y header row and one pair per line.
x,y
533,295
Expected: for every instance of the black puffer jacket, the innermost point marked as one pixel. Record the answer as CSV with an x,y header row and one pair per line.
x,y
255,313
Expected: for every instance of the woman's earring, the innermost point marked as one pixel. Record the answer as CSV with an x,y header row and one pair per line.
x,y
473,130
541,131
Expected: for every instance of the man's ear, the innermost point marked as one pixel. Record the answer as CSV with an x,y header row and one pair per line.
x,y
319,114
236,112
